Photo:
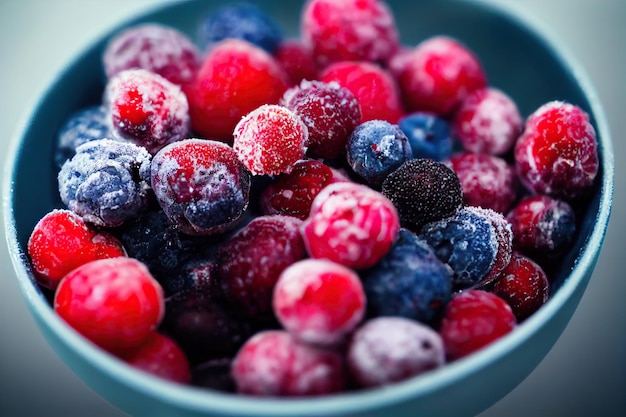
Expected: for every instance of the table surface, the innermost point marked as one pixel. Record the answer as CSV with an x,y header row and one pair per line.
x,y
584,374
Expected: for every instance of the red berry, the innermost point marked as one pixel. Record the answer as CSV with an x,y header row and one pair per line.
x,y
350,224
297,61
235,78
319,301
524,285
61,241
115,303
472,320
274,363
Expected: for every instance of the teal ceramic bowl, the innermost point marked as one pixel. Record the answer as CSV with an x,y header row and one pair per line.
x,y
518,59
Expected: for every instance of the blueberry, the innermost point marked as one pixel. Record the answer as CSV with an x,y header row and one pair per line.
x,y
83,126
410,281
375,149
242,21
429,135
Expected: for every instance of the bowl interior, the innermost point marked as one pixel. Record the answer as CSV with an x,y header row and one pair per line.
x,y
517,60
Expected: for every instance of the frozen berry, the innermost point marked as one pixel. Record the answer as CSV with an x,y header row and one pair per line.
x,y
274,363
440,73
524,285
373,86
409,281
423,190
487,121
153,47
61,241
392,349
201,186
350,224
115,303
90,123
270,140
474,319
557,153
214,374
318,301
429,135
235,78
107,182
375,149
297,60
330,113
487,181
147,109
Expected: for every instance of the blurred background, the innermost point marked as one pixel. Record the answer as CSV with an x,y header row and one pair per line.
x,y
583,375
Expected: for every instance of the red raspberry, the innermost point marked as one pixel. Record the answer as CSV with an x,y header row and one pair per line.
x,y
350,224
292,194
318,301
374,88
349,30
115,303
297,61
270,140
274,363
160,356
487,180
472,320
487,121
235,78
330,113
439,75
557,154
147,109
61,241
524,285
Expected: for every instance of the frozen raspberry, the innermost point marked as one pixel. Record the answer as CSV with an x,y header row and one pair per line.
x,y
115,303
524,285
214,374
243,21
235,78
201,186
439,75
153,47
330,113
375,149
487,181
429,135
61,241
423,190
374,88
147,109
409,281
251,261
297,60
392,349
349,30
474,319
350,224
273,363
90,123
557,153
318,301
270,140
107,182
487,121
542,225
160,356
292,194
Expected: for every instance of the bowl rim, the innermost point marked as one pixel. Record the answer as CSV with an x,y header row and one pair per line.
x,y
199,399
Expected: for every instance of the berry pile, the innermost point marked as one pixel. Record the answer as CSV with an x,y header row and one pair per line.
x,y
294,217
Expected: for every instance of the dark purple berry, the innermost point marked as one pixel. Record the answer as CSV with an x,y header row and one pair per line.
x,y
88,124
429,135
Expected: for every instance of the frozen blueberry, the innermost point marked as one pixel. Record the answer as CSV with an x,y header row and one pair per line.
x,y
83,126
375,149
429,135
242,21
106,182
410,281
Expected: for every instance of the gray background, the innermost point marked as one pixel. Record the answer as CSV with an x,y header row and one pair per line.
x,y
583,375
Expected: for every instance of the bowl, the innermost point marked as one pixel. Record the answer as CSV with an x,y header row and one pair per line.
x,y
517,58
